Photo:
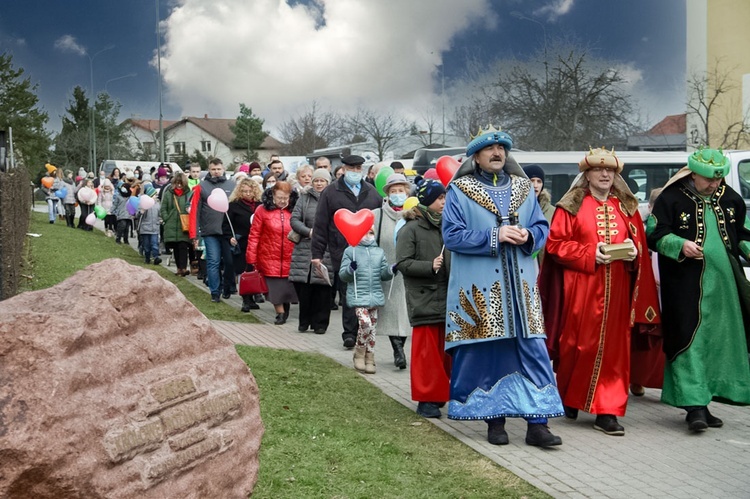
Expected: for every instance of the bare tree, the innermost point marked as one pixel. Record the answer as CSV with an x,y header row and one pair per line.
x,y
383,129
712,107
428,128
313,129
563,99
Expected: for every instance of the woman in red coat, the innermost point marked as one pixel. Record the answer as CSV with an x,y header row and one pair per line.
x,y
268,248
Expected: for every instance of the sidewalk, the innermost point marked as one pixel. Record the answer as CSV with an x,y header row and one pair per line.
x,y
657,457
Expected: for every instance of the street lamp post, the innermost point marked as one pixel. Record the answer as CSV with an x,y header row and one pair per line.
x,y
93,106
129,75
162,156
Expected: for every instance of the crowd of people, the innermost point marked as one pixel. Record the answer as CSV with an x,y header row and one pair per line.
x,y
516,308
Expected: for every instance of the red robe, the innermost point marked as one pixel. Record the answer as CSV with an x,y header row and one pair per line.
x,y
590,309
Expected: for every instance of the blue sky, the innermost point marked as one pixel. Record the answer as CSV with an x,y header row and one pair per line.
x,y
278,57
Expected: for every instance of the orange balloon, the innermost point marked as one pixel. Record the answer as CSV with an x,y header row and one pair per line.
x,y
47,182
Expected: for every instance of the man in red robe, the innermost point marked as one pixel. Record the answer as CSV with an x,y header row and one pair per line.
x,y
592,300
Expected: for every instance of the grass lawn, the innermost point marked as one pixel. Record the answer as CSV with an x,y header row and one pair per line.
x,y
329,432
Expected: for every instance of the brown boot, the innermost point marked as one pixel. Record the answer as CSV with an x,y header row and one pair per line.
x,y
359,359
370,362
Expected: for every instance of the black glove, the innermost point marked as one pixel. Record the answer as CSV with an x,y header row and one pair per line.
x,y
353,266
394,270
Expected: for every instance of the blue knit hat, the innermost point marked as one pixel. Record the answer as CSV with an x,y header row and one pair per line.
x,y
488,137
428,191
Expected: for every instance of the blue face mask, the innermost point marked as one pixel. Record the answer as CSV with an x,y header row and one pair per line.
x,y
353,178
397,199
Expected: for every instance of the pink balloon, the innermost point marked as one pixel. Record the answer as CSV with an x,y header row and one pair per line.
x,y
91,218
86,195
218,201
147,202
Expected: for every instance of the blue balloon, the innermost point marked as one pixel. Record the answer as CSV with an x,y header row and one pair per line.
x,y
61,193
134,201
131,209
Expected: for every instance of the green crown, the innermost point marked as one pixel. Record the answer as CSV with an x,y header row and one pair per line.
x,y
709,163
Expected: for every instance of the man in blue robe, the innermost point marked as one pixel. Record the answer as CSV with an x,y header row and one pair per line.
x,y
493,225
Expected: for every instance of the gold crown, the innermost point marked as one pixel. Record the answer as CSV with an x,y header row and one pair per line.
x,y
601,157
481,131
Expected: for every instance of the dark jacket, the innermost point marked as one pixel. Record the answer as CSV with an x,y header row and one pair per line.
x,y
204,220
171,218
333,198
303,219
418,243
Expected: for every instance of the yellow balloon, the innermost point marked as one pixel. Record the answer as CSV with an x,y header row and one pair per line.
x,y
410,203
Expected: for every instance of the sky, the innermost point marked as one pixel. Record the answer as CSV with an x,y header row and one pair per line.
x,y
279,56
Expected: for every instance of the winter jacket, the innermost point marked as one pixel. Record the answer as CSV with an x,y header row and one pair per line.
x,y
372,269
393,318
50,193
418,243
545,204
334,197
268,249
149,220
303,219
170,217
204,220
120,207
70,196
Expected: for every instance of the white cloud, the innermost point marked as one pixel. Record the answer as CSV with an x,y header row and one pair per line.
x,y
555,9
278,58
68,43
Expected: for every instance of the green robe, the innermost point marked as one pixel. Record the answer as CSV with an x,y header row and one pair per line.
x,y
714,366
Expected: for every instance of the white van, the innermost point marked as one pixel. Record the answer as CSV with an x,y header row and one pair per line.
x,y
643,170
126,165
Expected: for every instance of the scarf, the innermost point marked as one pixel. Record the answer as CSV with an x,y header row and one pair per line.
x,y
433,217
491,178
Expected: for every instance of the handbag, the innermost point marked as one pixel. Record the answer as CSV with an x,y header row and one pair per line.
x,y
293,236
252,283
184,217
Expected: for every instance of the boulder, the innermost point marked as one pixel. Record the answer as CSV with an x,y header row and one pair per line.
x,y
112,384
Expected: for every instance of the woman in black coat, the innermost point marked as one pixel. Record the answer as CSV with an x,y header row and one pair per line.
x,y
243,201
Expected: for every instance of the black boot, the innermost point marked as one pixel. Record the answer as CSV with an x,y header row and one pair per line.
x,y
697,418
538,435
279,319
496,434
399,358
287,306
246,303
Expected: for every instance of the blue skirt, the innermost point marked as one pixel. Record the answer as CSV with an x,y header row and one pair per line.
x,y
503,378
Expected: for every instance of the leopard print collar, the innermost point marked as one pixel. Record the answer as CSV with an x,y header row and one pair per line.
x,y
476,191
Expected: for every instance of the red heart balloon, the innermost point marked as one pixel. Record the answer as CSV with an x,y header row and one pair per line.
x,y
446,167
353,226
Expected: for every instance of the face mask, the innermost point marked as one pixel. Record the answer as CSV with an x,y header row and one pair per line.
x,y
353,178
397,199
368,239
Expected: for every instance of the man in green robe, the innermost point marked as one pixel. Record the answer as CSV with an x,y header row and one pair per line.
x,y
698,229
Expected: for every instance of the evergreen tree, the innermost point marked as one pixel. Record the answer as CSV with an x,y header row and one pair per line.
x,y
248,132
18,110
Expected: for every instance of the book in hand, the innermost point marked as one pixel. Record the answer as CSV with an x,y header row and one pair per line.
x,y
618,251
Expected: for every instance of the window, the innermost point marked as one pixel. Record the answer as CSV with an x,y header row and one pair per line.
x,y
149,147
205,146
744,174
179,147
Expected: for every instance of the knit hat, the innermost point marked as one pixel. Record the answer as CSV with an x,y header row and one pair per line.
x,y
396,179
90,175
428,191
149,190
50,168
534,171
321,173
162,172
253,166
244,167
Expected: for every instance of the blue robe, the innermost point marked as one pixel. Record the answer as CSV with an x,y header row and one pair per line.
x,y
494,324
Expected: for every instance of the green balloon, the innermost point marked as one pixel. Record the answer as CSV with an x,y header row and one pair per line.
x,y
100,212
382,177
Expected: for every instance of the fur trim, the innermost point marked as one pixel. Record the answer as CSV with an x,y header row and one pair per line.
x,y
571,201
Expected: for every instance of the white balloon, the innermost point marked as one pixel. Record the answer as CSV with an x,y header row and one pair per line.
x,y
147,202
91,218
218,201
87,195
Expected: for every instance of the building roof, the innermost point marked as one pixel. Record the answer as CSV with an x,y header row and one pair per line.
x,y
671,125
217,127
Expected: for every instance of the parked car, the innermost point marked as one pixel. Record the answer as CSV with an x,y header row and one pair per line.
x,y
426,158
